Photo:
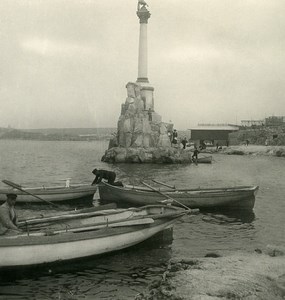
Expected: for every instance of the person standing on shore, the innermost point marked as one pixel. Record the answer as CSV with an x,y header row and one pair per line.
x,y
195,155
8,216
217,146
184,142
150,114
174,137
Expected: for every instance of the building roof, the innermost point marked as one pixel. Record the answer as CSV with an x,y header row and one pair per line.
x,y
215,127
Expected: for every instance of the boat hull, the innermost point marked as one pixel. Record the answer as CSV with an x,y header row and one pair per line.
x,y
204,160
226,198
35,250
52,194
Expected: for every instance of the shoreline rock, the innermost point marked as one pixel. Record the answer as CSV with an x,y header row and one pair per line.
x,y
159,155
242,275
177,155
278,151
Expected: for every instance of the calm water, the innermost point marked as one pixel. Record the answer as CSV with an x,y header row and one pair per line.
x,y
124,274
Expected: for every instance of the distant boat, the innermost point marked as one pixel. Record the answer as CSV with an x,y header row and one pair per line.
x,y
204,160
41,247
58,195
239,197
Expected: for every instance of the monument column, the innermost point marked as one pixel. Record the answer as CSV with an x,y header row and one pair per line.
x,y
146,88
143,15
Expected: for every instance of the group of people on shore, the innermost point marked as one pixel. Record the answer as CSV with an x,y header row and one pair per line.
x,y
174,141
173,136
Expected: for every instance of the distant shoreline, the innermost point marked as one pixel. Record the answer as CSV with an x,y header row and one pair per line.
x,y
58,134
278,151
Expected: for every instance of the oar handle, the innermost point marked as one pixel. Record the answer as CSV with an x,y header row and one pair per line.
x,y
18,187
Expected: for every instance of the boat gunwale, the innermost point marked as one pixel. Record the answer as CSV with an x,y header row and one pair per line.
x,y
52,190
176,191
70,237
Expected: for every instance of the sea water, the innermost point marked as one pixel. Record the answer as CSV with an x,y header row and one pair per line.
x,y
124,274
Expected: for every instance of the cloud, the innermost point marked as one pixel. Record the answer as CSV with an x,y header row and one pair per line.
x,y
48,47
201,53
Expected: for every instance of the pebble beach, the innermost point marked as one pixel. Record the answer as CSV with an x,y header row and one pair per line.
x,y
243,275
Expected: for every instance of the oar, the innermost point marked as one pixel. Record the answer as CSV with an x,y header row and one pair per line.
x,y
121,223
165,195
162,183
63,217
18,187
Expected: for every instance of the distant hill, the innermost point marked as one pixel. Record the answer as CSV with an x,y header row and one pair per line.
x,y
74,131
4,130
58,134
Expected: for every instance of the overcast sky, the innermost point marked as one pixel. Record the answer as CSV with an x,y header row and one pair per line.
x,y
65,63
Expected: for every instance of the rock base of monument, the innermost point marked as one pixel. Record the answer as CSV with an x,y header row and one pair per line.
x,y
160,155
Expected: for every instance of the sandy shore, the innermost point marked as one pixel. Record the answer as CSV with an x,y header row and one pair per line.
x,y
250,276
250,150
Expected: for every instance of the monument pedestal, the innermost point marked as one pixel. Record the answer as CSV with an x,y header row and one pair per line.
x,y
139,125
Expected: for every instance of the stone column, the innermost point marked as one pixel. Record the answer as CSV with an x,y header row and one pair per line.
x,y
143,15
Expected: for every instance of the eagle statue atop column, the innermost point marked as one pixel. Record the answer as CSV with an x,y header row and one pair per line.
x,y
141,4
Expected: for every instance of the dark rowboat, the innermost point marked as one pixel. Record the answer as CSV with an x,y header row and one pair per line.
x,y
239,197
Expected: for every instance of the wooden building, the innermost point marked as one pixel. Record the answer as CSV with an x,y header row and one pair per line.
x,y
211,134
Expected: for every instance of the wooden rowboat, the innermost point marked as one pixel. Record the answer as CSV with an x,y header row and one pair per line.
x,y
56,195
42,247
230,198
93,217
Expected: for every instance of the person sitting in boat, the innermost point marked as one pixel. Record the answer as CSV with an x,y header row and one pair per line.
x,y
104,174
8,216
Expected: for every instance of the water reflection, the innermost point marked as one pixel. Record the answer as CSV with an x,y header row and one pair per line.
x,y
230,217
92,276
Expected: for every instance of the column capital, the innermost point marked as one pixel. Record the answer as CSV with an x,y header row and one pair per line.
x,y
143,15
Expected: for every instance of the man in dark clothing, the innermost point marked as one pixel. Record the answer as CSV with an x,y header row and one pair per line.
x,y
103,174
150,114
184,142
195,154
174,137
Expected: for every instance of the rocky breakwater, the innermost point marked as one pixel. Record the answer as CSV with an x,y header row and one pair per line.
x,y
171,155
141,135
257,275
278,151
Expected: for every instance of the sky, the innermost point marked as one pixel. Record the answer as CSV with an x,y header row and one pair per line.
x,y
65,63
